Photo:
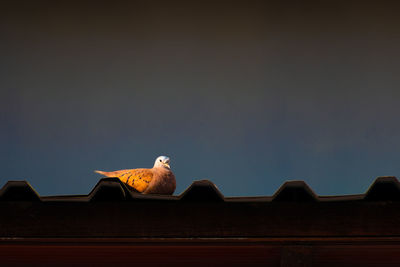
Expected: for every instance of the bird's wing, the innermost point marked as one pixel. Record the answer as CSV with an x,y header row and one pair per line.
x,y
136,178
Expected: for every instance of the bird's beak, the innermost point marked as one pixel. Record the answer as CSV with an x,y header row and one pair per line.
x,y
167,165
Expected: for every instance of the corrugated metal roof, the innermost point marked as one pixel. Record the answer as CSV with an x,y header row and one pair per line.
x,y
113,225
112,189
112,210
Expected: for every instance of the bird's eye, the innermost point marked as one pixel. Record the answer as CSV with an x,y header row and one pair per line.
x,y
160,160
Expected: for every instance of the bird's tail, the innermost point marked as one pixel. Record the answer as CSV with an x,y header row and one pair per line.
x,y
101,172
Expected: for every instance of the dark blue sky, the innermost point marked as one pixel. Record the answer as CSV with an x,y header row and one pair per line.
x,y
248,95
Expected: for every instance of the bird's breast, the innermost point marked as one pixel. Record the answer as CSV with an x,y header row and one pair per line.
x,y
163,182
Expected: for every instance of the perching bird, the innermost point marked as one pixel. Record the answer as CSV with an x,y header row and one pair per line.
x,y
157,180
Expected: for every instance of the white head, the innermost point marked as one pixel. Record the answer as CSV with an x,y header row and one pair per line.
x,y
162,161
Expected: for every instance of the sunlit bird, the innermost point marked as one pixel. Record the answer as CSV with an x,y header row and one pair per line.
x,y
157,180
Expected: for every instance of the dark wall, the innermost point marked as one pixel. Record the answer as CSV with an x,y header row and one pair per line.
x,y
245,93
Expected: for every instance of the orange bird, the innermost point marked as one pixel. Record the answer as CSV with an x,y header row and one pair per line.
x,y
157,180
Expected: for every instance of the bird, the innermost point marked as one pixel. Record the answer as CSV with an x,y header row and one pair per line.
x,y
157,180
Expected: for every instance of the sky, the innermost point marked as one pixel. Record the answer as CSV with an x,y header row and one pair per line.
x,y
247,94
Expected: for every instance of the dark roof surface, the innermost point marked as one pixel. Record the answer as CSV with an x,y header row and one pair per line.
x,y
112,189
112,210
113,225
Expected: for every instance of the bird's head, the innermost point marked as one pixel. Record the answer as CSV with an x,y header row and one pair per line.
x,y
162,161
